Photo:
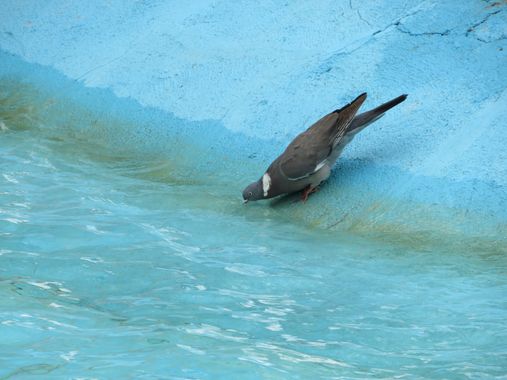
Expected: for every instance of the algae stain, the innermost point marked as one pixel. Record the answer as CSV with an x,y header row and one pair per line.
x,y
17,113
78,134
421,227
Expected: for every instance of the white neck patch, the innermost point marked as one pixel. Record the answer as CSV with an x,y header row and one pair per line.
x,y
266,183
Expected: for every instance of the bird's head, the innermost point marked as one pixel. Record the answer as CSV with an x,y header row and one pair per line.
x,y
253,192
258,190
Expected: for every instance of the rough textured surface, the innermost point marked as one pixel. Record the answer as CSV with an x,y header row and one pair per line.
x,y
260,73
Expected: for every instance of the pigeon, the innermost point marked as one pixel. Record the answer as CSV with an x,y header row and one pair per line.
x,y
308,159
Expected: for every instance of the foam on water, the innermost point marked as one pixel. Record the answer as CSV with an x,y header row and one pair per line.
x,y
115,264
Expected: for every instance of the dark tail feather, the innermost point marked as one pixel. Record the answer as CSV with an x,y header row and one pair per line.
x,y
366,118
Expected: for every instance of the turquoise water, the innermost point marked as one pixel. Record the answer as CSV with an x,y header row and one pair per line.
x,y
115,265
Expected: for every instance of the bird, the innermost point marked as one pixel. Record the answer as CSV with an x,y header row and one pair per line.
x,y
308,159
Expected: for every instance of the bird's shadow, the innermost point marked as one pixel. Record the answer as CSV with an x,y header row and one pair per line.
x,y
285,200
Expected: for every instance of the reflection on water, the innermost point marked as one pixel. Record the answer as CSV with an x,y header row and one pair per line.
x,y
113,264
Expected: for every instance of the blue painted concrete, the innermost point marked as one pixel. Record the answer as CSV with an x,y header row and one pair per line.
x,y
241,79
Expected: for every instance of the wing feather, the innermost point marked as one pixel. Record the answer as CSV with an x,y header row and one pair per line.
x,y
307,152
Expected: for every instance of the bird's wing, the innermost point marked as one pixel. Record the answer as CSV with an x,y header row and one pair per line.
x,y
308,151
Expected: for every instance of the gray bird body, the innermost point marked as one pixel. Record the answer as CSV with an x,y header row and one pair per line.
x,y
308,159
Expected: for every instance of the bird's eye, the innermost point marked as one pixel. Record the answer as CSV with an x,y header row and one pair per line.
x,y
250,194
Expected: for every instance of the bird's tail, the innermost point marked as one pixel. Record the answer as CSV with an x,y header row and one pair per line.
x,y
366,118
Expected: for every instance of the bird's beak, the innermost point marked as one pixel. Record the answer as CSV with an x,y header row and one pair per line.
x,y
245,201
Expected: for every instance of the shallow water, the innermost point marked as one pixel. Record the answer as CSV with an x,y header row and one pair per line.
x,y
115,265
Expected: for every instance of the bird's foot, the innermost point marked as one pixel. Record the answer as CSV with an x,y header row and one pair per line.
x,y
307,191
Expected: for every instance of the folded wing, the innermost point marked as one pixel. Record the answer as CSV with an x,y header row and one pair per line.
x,y
308,152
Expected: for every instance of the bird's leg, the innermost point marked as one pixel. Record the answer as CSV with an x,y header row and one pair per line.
x,y
307,191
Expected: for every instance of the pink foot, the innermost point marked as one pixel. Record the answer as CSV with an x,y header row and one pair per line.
x,y
307,191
